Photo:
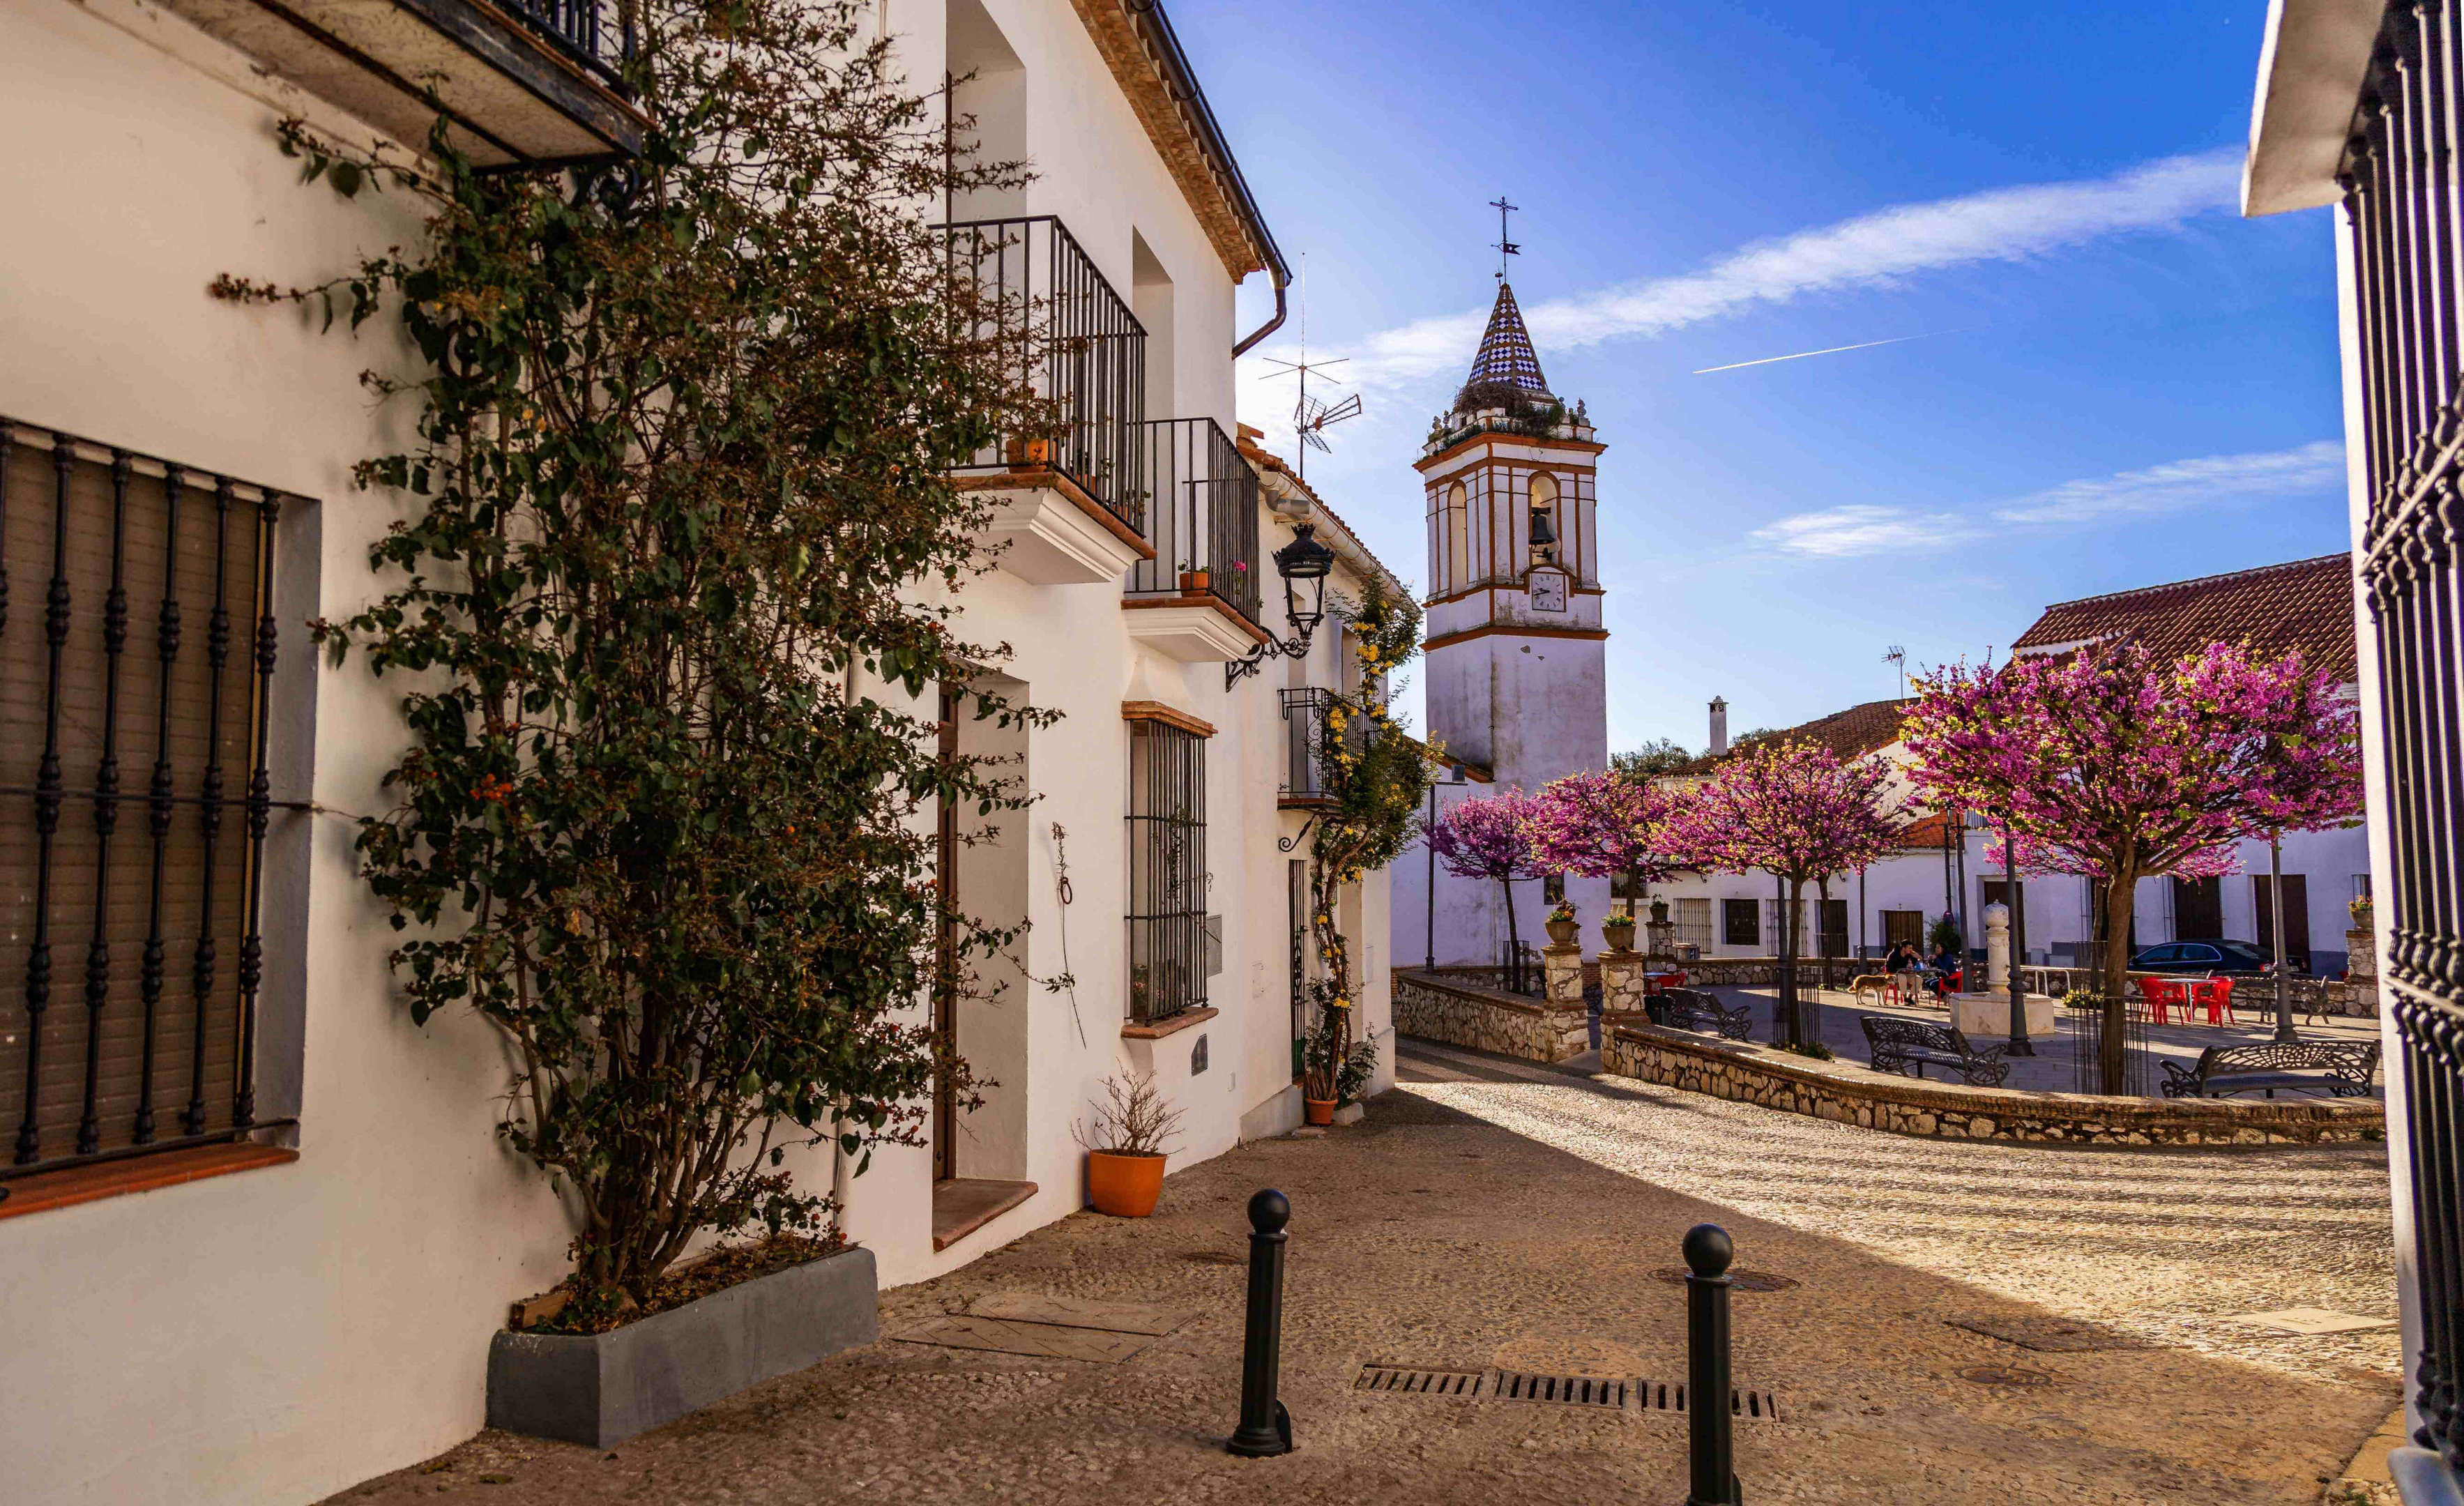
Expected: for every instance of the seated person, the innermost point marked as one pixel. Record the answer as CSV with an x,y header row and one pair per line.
x,y
1945,965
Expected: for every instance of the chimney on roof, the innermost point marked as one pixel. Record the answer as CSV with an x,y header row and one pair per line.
x,y
1719,727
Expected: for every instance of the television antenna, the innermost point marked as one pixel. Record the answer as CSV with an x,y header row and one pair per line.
x,y
1310,414
1895,654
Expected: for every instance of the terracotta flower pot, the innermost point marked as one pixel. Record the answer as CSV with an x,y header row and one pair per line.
x,y
1192,582
1562,932
1319,1111
1123,1186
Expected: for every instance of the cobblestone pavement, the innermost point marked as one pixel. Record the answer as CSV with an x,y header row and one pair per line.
x,y
1497,1213
2052,1070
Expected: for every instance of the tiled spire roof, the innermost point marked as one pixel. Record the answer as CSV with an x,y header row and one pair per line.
x,y
1506,356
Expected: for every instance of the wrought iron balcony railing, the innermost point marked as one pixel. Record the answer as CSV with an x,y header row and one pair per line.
x,y
597,34
1073,342
1204,514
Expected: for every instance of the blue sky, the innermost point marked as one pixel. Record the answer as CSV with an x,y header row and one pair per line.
x,y
2123,383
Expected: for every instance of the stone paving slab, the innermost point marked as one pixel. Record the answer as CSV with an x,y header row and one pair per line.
x,y
1512,1215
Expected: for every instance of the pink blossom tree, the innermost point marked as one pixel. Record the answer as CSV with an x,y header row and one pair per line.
x,y
1489,837
1795,811
2117,766
1601,824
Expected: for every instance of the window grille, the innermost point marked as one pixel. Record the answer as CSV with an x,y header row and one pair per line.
x,y
2402,203
1305,710
1693,921
1167,870
135,795
1741,922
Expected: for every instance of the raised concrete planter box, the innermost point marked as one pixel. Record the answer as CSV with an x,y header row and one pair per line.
x,y
601,1388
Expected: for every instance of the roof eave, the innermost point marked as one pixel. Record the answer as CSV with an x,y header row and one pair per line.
x,y
2310,71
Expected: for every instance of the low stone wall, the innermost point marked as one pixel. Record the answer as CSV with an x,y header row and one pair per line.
x,y
1451,1006
1853,1095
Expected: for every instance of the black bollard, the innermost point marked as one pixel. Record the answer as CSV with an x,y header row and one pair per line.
x,y
1708,1393
1266,1428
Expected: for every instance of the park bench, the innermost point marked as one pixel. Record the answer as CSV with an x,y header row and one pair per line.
x,y
1693,1010
1896,1045
2342,1068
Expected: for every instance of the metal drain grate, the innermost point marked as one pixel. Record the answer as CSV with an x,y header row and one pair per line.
x,y
1617,1394
1420,1382
1565,1390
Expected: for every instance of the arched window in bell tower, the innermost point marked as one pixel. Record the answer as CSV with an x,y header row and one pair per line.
x,y
1547,531
1456,570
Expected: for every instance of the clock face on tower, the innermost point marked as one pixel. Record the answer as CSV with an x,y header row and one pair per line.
x,y
1548,590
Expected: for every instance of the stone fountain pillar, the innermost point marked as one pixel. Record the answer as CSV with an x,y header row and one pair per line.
x,y
1997,947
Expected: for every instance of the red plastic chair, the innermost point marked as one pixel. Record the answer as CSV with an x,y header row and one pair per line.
x,y
2163,994
2216,994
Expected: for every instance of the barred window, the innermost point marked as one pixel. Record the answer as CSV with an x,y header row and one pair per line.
x,y
135,656
1693,921
1741,922
1167,869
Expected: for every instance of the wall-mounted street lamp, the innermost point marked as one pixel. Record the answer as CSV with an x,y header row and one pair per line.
x,y
1303,564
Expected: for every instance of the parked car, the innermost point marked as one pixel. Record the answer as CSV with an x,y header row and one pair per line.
x,y
2205,958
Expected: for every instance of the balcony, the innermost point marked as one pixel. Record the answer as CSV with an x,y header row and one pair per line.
x,y
521,82
1070,497
1197,598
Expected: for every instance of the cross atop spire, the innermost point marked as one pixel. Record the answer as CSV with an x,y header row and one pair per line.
x,y
1505,246
1505,359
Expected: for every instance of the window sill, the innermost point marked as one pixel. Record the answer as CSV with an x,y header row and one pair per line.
x,y
70,1186
1135,1031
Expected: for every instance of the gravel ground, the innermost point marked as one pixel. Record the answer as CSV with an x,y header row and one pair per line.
x,y
1492,1212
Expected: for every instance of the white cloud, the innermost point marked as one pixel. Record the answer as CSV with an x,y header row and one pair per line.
x,y
1838,533
1844,532
2184,483
1877,249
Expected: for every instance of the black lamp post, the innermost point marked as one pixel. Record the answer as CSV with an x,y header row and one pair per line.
x,y
1302,562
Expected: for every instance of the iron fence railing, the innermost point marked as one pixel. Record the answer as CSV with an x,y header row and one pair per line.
x,y
135,795
2087,1046
1204,513
599,35
1167,914
2407,213
1070,340
1519,969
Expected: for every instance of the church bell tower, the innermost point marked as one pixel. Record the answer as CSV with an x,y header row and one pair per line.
x,y
1516,669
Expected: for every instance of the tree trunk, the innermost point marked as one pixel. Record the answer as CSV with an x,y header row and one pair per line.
x,y
1513,937
2118,894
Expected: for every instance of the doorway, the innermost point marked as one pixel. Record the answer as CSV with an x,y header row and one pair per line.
x,y
2296,920
2199,909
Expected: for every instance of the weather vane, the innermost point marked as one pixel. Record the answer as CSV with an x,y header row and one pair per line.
x,y
1506,246
1311,415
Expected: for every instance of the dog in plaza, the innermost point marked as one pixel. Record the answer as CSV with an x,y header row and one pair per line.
x,y
1878,984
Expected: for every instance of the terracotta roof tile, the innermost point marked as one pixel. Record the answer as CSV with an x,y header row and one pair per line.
x,y
1850,734
2305,605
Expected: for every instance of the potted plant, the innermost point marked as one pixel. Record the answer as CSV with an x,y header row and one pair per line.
x,y
1618,930
1029,453
2362,910
1194,581
1562,923
1660,912
1126,1148
1331,1076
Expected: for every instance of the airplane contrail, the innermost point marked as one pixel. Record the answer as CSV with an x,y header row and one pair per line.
x,y
1832,351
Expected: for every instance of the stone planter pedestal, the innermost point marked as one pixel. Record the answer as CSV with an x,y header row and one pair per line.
x,y
603,1388
2361,972
1622,982
1562,966
1997,946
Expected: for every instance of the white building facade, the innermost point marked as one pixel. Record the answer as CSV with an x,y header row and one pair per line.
x,y
295,1289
